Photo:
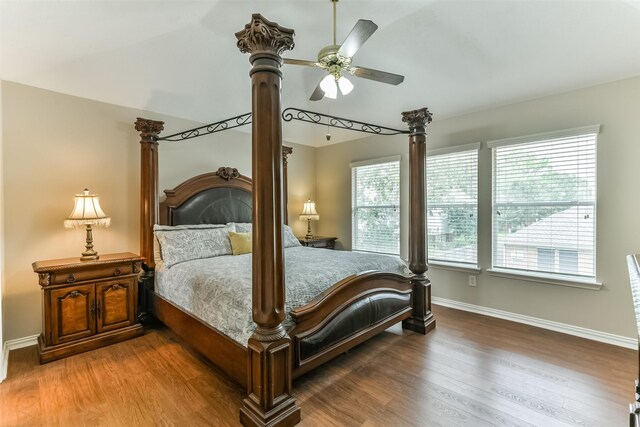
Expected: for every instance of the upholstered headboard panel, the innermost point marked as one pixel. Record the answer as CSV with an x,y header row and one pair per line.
x,y
213,198
214,206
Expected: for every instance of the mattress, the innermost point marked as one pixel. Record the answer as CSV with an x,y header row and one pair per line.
x,y
217,290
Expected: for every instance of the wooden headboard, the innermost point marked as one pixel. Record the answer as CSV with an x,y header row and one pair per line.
x,y
212,198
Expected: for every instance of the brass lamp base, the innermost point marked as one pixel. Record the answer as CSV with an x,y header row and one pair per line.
x,y
89,257
89,254
309,236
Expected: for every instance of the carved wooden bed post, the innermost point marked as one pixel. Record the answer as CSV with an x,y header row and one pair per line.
x,y
422,319
269,375
149,131
285,186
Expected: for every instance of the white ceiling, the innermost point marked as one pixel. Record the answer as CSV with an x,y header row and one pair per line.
x,y
180,57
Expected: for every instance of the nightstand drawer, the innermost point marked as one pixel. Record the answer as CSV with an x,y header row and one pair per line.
x,y
81,275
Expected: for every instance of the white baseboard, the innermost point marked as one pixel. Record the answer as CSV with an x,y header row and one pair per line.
x,y
14,345
577,331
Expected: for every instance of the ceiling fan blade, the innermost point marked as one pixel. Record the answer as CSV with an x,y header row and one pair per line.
x,y
356,38
379,76
300,62
317,94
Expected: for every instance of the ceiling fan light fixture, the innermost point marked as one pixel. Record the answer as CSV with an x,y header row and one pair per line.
x,y
345,85
329,87
336,59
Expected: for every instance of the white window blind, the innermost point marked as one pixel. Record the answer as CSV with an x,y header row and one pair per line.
x,y
452,207
544,205
375,203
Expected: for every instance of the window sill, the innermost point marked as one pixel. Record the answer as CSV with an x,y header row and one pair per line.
x,y
466,268
552,279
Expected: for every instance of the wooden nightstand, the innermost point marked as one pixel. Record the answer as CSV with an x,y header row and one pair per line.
x,y
319,242
88,304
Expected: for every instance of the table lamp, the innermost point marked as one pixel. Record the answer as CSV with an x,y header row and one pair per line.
x,y
309,213
87,211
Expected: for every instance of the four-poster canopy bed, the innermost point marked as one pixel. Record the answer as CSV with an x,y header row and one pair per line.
x,y
342,315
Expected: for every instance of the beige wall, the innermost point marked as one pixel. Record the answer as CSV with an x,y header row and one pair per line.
x,y
615,106
55,145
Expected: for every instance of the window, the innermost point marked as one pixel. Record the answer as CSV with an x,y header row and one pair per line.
x,y
375,203
452,205
544,203
568,261
546,259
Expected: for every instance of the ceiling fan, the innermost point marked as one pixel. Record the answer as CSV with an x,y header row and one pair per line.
x,y
337,58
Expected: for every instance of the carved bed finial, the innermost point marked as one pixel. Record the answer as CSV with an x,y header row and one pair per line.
x,y
417,118
228,173
262,35
285,153
149,127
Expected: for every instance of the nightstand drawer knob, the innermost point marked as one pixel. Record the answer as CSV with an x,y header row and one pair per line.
x,y
117,272
71,278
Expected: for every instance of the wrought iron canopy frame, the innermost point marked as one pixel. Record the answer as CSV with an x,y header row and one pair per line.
x,y
288,115
233,122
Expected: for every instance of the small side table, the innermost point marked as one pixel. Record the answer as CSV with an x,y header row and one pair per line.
x,y
319,242
88,304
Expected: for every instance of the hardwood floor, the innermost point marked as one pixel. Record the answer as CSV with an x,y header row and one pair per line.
x,y
471,371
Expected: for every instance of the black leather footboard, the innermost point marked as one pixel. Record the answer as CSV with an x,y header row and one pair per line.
x,y
360,316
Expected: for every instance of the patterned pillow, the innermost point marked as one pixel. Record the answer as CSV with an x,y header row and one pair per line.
x,y
241,227
186,244
290,239
157,253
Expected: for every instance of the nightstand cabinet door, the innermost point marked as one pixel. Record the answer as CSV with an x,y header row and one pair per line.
x,y
73,313
115,306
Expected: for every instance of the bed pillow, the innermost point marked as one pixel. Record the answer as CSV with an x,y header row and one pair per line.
x,y
157,253
186,244
241,227
290,240
240,243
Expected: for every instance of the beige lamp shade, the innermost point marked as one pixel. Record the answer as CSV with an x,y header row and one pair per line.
x,y
87,211
309,211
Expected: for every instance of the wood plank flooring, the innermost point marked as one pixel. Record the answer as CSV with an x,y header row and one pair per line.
x,y
471,371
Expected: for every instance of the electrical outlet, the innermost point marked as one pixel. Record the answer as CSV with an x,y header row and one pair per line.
x,y
472,280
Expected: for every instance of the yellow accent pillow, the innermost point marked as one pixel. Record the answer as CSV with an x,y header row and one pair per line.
x,y
240,243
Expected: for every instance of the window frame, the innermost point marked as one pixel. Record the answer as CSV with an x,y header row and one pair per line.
x,y
372,162
557,278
